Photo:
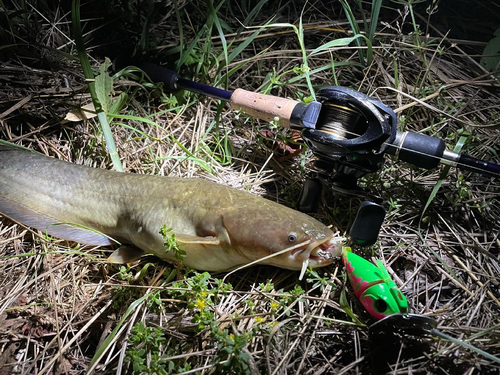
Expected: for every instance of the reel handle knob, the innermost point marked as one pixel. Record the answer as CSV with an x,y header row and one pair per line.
x,y
309,196
366,226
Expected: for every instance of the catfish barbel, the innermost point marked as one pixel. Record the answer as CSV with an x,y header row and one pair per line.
x,y
219,228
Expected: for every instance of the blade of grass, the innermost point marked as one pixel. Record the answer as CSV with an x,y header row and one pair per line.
x,y
144,41
255,11
190,155
300,35
305,64
376,5
354,26
344,304
465,345
179,27
198,161
342,42
89,76
213,15
235,53
443,175
106,343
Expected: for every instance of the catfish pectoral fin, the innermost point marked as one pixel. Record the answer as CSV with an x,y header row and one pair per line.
x,y
125,254
189,239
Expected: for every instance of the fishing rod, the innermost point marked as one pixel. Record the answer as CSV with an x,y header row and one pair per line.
x,y
348,132
345,127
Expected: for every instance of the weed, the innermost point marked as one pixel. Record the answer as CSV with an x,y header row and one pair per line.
x,y
232,350
97,92
369,30
393,206
149,351
171,244
317,280
125,274
154,301
461,193
201,299
122,295
416,28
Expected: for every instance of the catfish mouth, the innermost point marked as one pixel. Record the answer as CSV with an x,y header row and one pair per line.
x,y
319,253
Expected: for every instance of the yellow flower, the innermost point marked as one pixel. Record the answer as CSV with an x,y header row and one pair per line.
x,y
200,304
275,305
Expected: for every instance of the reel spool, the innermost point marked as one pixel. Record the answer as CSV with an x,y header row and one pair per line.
x,y
352,133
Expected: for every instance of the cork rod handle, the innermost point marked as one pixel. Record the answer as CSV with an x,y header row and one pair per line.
x,y
264,107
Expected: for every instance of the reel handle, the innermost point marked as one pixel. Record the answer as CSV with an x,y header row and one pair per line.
x,y
366,227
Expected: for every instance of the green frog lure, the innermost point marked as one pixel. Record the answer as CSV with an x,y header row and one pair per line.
x,y
373,286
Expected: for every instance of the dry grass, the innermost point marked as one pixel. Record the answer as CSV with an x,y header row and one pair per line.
x,y
59,302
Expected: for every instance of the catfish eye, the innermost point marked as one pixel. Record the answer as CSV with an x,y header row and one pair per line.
x,y
380,305
292,237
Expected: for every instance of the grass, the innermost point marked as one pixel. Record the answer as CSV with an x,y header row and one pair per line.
x,y
64,312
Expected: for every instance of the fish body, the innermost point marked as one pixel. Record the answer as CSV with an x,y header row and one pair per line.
x,y
373,286
219,227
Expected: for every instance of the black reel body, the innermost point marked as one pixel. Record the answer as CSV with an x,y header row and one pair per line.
x,y
352,133
350,138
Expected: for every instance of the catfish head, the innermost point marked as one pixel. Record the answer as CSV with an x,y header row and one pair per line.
x,y
285,237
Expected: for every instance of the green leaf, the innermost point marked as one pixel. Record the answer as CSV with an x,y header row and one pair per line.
x,y
491,54
376,5
89,75
217,21
342,42
104,86
119,103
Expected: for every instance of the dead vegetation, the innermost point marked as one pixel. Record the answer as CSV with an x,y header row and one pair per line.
x,y
64,310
